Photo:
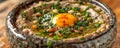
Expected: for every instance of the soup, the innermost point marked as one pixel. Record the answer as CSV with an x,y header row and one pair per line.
x,y
62,20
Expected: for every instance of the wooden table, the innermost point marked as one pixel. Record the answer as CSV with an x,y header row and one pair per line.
x,y
6,6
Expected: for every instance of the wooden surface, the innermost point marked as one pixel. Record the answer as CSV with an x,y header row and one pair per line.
x,y
6,6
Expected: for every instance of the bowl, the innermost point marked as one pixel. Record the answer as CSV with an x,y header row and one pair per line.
x,y
20,40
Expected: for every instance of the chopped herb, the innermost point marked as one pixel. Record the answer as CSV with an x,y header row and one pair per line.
x,y
87,13
88,27
58,3
65,36
84,13
76,26
51,24
37,33
56,37
97,25
55,6
23,14
28,18
36,10
79,23
40,26
81,39
85,23
66,31
62,10
46,18
53,14
76,9
68,8
44,33
88,7
44,11
49,44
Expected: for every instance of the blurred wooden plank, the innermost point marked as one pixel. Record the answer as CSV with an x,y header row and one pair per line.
x,y
110,3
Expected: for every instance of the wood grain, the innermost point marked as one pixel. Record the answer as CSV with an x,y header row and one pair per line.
x,y
6,7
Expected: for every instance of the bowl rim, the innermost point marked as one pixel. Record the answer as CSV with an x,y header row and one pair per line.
x,y
11,25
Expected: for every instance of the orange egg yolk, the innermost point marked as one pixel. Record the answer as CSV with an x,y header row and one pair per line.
x,y
65,19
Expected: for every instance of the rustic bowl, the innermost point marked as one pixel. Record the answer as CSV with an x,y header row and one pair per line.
x,y
18,40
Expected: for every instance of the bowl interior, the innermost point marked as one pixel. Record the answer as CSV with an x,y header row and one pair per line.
x,y
11,18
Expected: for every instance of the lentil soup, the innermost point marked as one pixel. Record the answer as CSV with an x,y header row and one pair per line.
x,y
62,19
53,24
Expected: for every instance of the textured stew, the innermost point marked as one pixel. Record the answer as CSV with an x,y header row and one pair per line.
x,y
61,20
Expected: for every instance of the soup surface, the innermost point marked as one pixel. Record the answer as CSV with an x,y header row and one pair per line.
x,y
62,20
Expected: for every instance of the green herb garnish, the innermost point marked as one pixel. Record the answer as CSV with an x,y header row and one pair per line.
x,y
81,39
55,6
49,44
56,37
76,9
97,25
62,10
23,14
36,10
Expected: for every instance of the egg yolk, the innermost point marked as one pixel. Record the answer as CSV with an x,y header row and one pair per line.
x,y
64,20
